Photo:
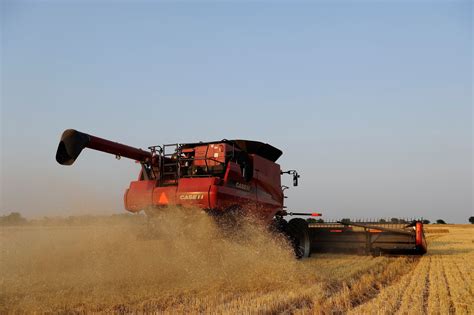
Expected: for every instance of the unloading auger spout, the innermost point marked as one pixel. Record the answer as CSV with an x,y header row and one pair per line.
x,y
73,142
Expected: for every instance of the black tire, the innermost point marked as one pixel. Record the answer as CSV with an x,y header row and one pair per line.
x,y
278,225
297,232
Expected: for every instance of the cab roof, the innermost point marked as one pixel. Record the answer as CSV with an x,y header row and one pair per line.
x,y
264,150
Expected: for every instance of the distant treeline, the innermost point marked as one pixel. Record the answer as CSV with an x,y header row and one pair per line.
x,y
392,221
13,218
16,219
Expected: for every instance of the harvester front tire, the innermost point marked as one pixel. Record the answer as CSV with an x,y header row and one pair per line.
x,y
297,231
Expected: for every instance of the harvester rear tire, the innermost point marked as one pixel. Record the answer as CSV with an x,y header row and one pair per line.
x,y
297,231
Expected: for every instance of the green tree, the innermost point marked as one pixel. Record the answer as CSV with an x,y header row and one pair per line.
x,y
440,221
471,219
14,218
425,221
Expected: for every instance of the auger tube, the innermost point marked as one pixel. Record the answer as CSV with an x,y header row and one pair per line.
x,y
73,142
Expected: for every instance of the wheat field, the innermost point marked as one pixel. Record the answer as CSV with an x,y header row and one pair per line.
x,y
193,269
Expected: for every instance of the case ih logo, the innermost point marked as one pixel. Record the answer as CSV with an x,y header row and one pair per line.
x,y
193,196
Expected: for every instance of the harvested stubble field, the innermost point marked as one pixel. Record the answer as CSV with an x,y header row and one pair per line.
x,y
192,269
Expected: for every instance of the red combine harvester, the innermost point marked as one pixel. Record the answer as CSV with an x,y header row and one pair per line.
x,y
238,177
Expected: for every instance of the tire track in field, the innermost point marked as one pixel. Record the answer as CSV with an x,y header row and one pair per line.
x,y
398,301
440,300
384,279
426,289
396,295
451,308
313,297
367,286
465,281
461,298
413,298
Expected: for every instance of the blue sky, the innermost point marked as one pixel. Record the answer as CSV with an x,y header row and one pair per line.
x,y
370,101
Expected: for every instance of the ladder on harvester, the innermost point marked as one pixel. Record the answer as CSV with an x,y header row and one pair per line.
x,y
170,168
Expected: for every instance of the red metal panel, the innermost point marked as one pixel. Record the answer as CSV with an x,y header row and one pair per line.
x,y
268,185
420,237
215,154
139,195
200,155
195,191
233,173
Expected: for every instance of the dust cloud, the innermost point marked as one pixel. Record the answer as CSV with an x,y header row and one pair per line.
x,y
76,267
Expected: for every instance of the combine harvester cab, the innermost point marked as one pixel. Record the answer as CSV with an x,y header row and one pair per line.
x,y
236,177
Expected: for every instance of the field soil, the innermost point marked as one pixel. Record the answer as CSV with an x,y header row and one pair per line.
x,y
192,268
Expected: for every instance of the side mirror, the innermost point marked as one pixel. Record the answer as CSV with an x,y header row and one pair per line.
x,y
295,178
